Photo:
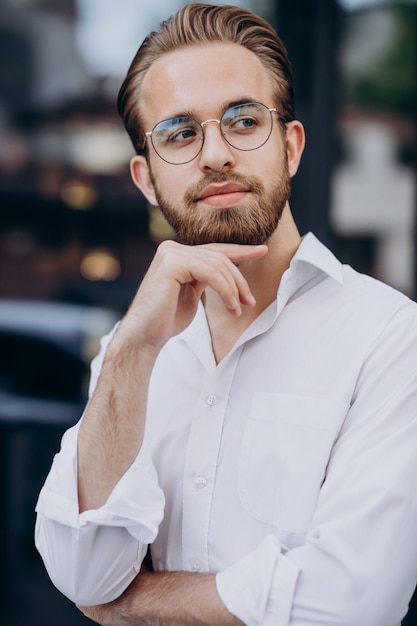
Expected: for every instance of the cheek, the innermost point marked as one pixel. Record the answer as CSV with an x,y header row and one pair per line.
x,y
171,182
270,159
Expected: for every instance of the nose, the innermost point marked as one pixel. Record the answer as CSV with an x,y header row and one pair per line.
x,y
216,154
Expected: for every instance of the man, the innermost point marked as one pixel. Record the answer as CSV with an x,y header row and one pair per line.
x,y
253,418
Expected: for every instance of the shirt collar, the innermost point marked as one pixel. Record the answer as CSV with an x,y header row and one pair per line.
x,y
312,252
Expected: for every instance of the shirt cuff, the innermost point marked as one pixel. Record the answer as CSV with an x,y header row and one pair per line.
x,y
259,589
140,516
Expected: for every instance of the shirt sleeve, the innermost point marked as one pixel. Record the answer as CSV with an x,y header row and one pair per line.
x,y
260,588
358,563
111,540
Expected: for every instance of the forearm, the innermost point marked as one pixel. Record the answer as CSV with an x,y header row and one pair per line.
x,y
166,599
111,432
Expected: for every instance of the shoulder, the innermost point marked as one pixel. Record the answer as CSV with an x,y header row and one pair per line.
x,y
376,295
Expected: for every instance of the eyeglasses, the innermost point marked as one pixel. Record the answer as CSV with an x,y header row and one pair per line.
x,y
246,127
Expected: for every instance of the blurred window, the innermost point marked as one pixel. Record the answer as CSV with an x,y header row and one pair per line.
x,y
374,183
34,367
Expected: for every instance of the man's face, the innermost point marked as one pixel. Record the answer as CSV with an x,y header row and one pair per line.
x,y
224,194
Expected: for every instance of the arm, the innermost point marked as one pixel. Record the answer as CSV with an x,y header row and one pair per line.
x,y
93,542
111,432
171,598
112,429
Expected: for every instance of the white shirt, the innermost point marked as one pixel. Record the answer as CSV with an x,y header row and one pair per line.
x,y
289,469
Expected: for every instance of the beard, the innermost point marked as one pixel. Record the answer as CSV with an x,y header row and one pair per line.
x,y
251,223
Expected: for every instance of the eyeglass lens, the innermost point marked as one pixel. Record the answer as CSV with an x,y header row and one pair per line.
x,y
244,126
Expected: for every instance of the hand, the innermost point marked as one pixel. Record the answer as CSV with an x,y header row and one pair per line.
x,y
167,299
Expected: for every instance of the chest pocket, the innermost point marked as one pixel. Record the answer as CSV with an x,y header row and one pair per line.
x,y
284,454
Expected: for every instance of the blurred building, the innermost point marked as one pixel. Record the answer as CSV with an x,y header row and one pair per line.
x,y
373,186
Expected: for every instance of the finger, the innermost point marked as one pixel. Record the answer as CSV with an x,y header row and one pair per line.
x,y
237,252
218,272
212,265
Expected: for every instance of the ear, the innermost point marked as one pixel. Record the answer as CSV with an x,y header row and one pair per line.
x,y
295,141
141,176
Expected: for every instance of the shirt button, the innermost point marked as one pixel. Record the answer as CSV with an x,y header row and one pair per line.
x,y
200,482
195,566
211,400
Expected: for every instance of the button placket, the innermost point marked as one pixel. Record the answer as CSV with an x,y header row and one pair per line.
x,y
201,465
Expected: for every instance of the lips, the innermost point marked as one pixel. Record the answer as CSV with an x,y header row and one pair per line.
x,y
221,189
223,195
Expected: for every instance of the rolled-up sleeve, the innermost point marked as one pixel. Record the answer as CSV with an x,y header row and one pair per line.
x,y
92,557
260,588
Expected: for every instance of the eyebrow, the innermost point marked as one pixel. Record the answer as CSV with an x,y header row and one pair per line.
x,y
222,108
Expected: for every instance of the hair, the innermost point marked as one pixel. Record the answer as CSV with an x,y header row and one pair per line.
x,y
200,23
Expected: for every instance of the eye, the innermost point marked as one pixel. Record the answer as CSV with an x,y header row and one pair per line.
x,y
244,123
182,136
177,132
241,119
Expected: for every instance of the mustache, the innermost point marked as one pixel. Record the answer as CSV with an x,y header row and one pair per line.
x,y
252,183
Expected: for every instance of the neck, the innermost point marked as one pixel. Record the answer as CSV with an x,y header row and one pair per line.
x,y
263,276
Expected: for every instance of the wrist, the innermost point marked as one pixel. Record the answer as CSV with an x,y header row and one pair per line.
x,y
130,342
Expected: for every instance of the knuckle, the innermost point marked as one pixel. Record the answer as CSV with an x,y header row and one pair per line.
x,y
166,251
167,246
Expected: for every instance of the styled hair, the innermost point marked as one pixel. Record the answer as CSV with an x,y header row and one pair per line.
x,y
201,23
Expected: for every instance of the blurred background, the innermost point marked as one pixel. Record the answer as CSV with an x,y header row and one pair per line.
x,y
76,236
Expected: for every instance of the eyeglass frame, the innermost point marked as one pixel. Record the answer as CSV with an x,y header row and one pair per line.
x,y
271,110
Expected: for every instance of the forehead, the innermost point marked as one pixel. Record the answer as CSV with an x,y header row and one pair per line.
x,y
203,80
